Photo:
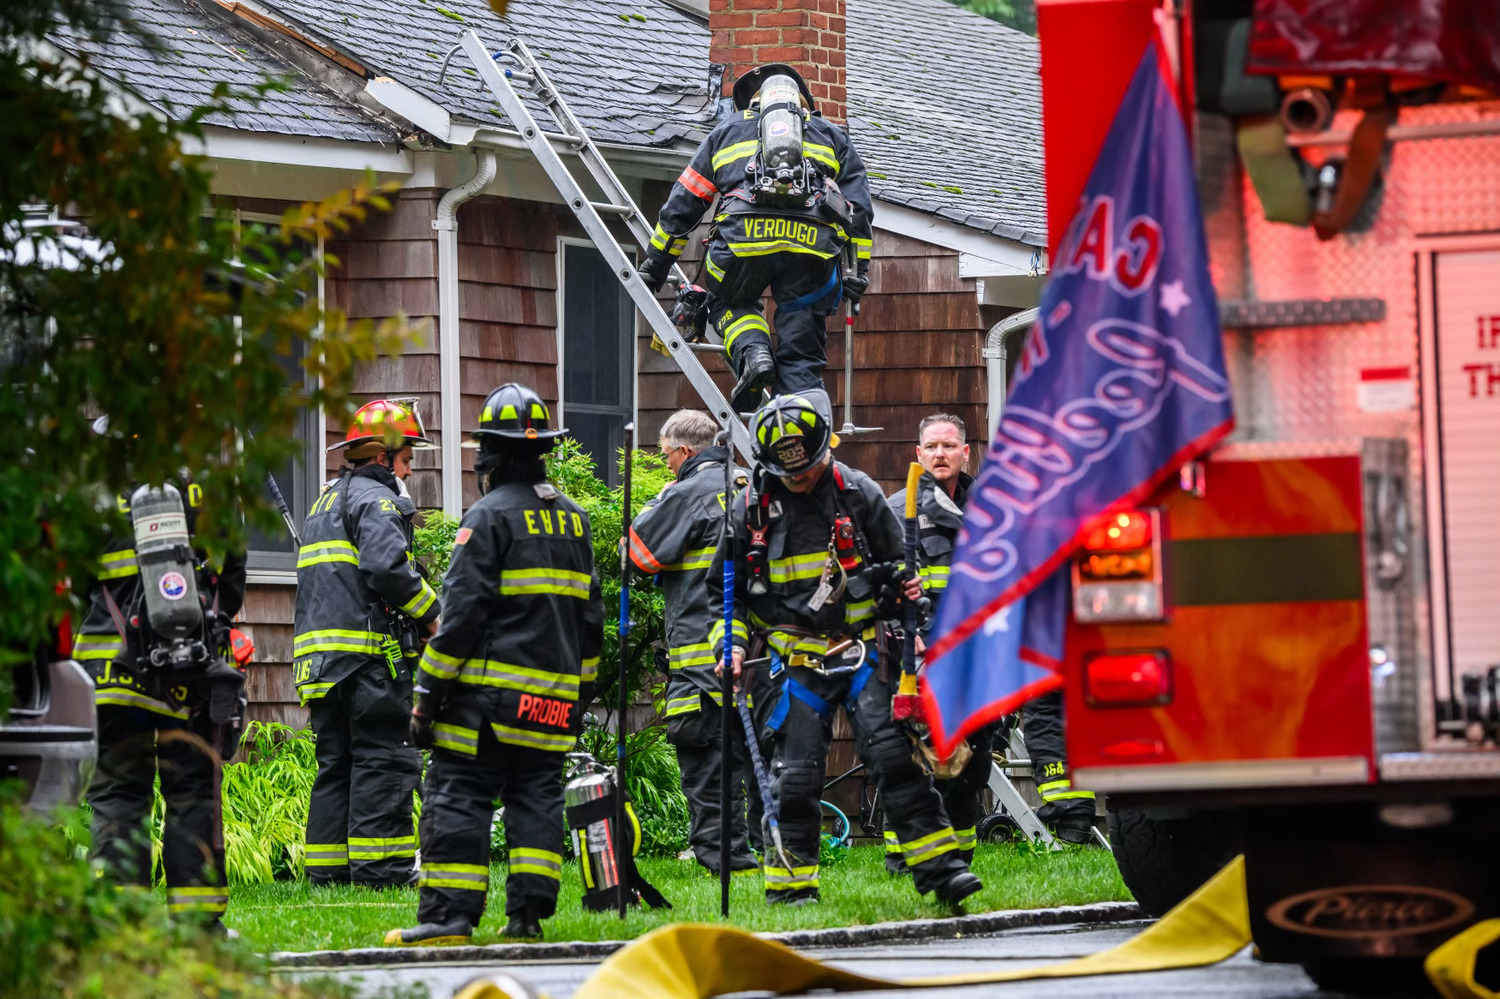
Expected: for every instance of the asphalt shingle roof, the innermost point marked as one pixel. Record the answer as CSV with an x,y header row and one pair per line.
x,y
946,108
633,71
200,52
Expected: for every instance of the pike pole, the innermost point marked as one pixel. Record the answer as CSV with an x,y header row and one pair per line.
x,y
726,678
623,835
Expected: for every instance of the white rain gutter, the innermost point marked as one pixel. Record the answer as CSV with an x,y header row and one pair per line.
x,y
449,345
994,361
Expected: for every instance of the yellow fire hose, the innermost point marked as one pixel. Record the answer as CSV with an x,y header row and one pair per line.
x,y
698,960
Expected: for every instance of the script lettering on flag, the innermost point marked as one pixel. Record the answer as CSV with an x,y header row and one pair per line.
x,y
1121,381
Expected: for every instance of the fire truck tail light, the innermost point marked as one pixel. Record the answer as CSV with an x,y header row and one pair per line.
x,y
1101,602
1119,531
1127,679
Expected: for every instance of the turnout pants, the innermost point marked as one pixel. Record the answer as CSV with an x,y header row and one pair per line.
x,y
457,806
135,744
807,290
803,725
1042,720
697,735
359,824
963,800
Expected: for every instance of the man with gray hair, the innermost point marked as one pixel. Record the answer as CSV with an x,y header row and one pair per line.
x,y
674,537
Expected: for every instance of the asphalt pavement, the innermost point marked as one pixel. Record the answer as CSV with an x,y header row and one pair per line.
x,y
1241,977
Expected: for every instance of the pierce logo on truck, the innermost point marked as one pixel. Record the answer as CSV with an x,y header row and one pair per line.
x,y
1361,911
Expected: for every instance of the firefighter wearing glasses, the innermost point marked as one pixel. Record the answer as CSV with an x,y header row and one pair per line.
x,y
503,684
158,718
815,549
674,537
793,214
362,611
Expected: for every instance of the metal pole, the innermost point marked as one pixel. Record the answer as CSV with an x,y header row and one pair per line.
x,y
623,835
726,681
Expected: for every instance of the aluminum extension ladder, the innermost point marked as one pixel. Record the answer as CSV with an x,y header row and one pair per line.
x,y
618,204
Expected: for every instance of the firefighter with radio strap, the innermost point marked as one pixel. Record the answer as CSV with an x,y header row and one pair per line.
x,y
943,451
675,537
155,637
793,214
816,551
362,610
504,682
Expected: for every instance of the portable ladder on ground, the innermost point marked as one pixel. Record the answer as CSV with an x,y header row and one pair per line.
x,y
1009,797
617,204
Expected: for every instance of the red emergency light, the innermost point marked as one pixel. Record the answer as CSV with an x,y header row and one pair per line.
x,y
1127,679
1119,532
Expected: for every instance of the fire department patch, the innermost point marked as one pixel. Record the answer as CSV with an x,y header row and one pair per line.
x,y
463,535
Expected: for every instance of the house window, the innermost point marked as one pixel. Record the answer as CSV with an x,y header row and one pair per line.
x,y
596,351
273,555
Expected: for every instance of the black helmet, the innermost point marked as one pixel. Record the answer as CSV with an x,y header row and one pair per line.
x,y
790,434
515,412
747,86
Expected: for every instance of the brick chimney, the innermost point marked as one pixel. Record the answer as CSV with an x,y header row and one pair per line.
x,y
805,34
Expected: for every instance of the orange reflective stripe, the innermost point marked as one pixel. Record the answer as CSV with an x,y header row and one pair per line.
x,y
697,183
641,555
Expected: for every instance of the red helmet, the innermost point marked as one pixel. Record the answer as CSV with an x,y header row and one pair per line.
x,y
384,425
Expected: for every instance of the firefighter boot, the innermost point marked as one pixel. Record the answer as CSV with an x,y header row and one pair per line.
x,y
1071,821
525,924
757,372
455,931
959,887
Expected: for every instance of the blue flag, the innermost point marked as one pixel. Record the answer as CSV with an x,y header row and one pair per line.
x,y
1120,383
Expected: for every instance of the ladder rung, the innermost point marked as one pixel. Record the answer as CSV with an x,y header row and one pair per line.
x,y
706,348
604,208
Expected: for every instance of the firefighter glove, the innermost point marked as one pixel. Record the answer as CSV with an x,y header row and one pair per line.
x,y
855,285
424,711
654,271
885,580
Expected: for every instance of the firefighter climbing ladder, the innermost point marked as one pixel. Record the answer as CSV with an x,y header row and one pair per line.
x,y
617,204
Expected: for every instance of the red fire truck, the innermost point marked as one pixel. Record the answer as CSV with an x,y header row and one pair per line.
x,y
1291,652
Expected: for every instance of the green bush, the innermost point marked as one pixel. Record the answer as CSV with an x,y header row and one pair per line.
x,y
433,545
265,804
65,932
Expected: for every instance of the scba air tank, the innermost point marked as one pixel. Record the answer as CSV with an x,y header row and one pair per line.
x,y
781,131
164,553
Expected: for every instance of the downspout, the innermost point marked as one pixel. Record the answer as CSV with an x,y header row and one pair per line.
x,y
446,225
994,361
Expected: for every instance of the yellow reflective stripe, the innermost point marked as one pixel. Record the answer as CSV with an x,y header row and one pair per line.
x,y
862,247
312,691
660,239
782,878
966,838
455,737
327,551
335,640
754,321
1066,795
440,665
701,558
764,248
197,898
683,705
326,855
488,673
733,153
525,860
716,632
535,740
381,849
466,877
590,670
86,647
859,610
892,843
713,268
919,851
118,565
821,154
700,654
795,567
124,697
422,602
678,245
563,582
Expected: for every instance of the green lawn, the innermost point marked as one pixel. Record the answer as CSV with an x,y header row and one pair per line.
x,y
855,888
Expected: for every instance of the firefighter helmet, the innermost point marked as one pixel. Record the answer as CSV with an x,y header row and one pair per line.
x,y
791,436
747,86
515,412
384,425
